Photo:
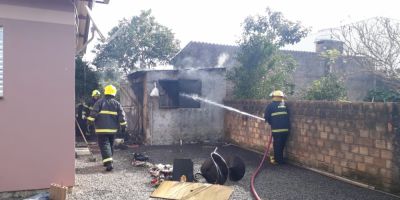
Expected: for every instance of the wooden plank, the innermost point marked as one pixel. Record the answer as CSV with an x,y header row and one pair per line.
x,y
191,191
58,192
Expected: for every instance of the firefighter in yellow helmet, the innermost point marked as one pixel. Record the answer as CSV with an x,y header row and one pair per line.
x,y
277,116
89,107
108,118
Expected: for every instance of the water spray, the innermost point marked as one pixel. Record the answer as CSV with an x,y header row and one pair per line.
x,y
255,173
197,98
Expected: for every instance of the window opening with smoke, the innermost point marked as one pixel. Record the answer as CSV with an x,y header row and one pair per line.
x,y
170,93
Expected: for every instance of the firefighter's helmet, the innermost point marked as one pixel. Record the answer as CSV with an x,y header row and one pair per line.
x,y
277,93
95,93
110,90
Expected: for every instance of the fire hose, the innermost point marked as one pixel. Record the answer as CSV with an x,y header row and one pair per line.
x,y
255,173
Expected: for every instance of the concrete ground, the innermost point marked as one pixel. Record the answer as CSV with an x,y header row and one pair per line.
x,y
273,182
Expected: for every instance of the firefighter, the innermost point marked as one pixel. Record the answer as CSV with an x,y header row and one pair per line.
x,y
89,107
108,118
277,116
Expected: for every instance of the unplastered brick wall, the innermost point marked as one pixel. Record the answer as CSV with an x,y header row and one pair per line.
x,y
359,141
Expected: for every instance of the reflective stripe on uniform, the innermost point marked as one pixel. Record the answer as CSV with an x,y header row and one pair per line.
x,y
107,160
107,112
278,113
86,106
279,130
90,118
122,123
90,108
106,130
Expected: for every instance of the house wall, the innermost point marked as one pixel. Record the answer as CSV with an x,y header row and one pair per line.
x,y
37,111
360,141
310,66
168,126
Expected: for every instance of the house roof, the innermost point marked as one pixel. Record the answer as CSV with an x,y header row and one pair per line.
x,y
82,22
205,55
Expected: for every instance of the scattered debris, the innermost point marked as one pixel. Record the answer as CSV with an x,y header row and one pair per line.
x,y
140,157
160,173
40,196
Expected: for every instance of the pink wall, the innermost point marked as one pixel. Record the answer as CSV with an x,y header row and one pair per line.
x,y
37,111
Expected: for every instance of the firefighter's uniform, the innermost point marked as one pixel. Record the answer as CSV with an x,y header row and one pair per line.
x,y
277,115
89,107
108,117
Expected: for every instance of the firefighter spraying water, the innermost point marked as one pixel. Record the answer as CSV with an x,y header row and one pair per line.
x,y
277,116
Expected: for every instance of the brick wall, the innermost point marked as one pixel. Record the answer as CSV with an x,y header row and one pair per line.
x,y
359,141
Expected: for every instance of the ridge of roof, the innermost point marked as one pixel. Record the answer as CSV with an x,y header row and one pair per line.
x,y
212,44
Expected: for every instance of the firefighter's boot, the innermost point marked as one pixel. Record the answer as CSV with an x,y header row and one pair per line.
x,y
109,166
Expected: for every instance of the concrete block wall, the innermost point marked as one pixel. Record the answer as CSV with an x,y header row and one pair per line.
x,y
359,141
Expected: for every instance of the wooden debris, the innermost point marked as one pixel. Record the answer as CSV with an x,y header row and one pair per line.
x,y
191,191
58,192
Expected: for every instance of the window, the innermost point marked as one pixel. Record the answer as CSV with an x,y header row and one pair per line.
x,y
170,91
169,94
1,62
189,87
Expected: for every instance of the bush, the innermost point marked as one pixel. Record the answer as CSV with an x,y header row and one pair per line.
x,y
329,88
382,95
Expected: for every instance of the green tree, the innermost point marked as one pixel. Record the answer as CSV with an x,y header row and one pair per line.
x,y
138,43
86,80
262,68
382,95
329,88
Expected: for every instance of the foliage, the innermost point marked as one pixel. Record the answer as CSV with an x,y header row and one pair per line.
x,y
328,88
86,80
261,67
138,43
382,95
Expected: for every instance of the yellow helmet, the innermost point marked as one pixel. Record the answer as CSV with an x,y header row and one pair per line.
x,y
95,93
110,90
277,93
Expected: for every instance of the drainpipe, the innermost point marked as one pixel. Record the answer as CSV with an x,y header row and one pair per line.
x,y
87,42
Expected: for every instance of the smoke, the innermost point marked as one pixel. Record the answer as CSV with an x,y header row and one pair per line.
x,y
222,59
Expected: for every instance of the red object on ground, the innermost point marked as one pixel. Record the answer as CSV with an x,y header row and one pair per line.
x,y
253,177
133,146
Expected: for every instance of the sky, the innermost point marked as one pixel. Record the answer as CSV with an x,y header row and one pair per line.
x,y
219,21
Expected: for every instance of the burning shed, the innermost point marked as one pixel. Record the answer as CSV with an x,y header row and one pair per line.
x,y
169,117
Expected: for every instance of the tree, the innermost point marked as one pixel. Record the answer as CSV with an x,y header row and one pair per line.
x,y
329,88
382,95
376,44
86,80
138,43
262,68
